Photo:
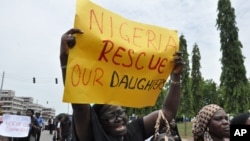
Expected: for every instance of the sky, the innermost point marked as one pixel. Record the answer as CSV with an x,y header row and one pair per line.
x,y
30,33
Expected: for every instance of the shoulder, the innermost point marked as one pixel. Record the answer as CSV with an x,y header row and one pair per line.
x,y
34,120
136,127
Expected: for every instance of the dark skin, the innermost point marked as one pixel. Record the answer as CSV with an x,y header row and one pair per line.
x,y
30,114
248,121
173,126
114,120
219,126
117,127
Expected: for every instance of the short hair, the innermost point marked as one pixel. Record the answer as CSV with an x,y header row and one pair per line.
x,y
240,119
31,110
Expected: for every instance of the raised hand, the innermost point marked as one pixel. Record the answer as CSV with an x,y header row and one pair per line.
x,y
68,40
179,63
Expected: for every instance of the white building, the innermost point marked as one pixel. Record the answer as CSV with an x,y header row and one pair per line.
x,y
12,104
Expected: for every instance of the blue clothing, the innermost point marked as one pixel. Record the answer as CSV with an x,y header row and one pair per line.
x,y
40,121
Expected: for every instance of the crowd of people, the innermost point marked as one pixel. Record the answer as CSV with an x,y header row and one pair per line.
x,y
104,122
60,129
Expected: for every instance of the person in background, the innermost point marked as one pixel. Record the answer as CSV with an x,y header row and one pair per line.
x,y
18,113
241,119
103,122
66,128
34,127
174,130
51,125
59,128
40,123
211,124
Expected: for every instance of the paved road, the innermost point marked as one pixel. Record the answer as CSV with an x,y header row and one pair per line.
x,y
45,136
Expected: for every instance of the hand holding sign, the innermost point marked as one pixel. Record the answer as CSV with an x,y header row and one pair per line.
x,y
68,41
116,61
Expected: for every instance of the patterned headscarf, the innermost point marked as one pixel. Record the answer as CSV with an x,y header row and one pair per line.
x,y
201,121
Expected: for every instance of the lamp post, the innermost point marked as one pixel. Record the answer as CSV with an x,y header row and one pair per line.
x,y
1,89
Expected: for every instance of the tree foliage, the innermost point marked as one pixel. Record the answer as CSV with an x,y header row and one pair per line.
x,y
186,97
196,79
233,76
210,94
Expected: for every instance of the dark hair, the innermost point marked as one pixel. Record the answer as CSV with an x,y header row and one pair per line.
x,y
99,108
31,110
240,119
18,113
59,118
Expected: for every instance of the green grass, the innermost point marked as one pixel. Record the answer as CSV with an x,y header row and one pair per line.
x,y
185,133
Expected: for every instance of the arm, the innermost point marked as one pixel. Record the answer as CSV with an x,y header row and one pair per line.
x,y
35,125
58,131
81,111
172,100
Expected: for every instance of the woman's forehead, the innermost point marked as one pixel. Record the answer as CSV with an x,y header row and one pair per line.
x,y
110,108
220,112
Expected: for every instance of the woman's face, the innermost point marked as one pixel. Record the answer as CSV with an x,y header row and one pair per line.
x,y
114,121
219,125
29,113
172,123
248,121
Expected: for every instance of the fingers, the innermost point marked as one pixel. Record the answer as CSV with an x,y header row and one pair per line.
x,y
178,57
74,31
68,37
178,53
71,42
179,63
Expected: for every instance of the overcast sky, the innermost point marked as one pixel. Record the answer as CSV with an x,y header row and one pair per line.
x,y
30,32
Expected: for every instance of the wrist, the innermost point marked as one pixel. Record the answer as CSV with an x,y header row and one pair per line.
x,y
63,59
175,82
176,77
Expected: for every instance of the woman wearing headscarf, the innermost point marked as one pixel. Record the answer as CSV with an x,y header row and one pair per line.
x,y
211,124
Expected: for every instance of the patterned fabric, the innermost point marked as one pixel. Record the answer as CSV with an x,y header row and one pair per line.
x,y
200,129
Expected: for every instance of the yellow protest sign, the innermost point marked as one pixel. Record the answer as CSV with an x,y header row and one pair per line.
x,y
117,61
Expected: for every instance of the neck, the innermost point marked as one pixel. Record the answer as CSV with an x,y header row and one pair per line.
x,y
118,138
218,139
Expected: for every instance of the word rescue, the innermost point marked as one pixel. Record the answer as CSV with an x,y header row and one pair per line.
x,y
154,62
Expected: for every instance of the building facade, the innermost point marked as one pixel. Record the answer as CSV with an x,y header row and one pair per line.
x,y
11,104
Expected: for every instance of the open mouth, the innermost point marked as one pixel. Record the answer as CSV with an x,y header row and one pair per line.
x,y
227,129
120,128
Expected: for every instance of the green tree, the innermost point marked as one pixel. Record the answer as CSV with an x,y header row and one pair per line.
x,y
186,97
209,90
233,76
196,79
